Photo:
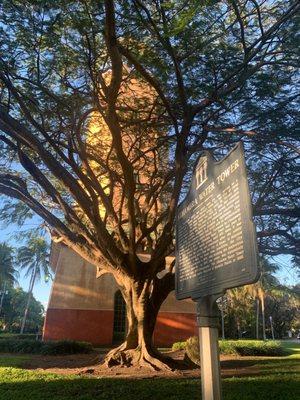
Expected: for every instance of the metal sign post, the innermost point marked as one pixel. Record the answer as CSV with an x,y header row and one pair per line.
x,y
215,249
207,321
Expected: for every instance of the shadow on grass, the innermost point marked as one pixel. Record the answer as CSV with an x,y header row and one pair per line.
x,y
35,361
73,361
260,363
234,367
17,361
47,386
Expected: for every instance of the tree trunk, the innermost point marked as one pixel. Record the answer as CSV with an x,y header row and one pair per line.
x,y
143,300
31,285
238,325
272,328
263,315
257,318
2,296
222,318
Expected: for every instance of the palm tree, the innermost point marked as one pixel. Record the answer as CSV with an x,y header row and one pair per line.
x,y
34,258
266,283
258,291
238,300
8,274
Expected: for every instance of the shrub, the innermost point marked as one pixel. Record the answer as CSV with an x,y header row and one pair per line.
x,y
20,346
227,347
66,347
17,336
239,347
50,348
257,348
192,349
179,346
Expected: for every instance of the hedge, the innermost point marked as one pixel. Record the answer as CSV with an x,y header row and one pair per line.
x,y
61,347
251,347
238,347
18,336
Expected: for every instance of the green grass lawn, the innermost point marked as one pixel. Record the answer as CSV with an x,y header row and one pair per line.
x,y
277,380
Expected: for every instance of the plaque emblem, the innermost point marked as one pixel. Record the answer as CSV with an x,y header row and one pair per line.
x,y
201,172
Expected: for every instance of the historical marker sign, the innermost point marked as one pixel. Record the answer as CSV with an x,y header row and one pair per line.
x,y
215,236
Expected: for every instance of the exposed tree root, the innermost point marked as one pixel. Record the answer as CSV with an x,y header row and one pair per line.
x,y
138,357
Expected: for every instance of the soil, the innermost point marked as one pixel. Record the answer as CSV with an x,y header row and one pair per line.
x,y
91,364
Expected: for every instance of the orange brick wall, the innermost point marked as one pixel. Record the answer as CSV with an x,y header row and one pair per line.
x,y
173,327
96,326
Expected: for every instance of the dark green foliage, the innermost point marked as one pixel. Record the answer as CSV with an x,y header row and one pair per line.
x,y
13,309
239,347
240,307
251,347
29,346
16,336
283,305
8,272
66,347
20,346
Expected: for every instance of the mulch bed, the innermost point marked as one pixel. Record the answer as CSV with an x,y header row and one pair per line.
x,y
91,365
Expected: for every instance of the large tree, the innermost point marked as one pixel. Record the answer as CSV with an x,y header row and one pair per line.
x,y
105,106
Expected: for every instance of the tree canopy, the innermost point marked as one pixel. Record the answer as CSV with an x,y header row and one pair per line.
x,y
12,312
105,106
274,302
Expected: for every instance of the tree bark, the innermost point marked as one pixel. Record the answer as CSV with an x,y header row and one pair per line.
x,y
263,315
238,325
257,318
222,318
2,296
143,302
